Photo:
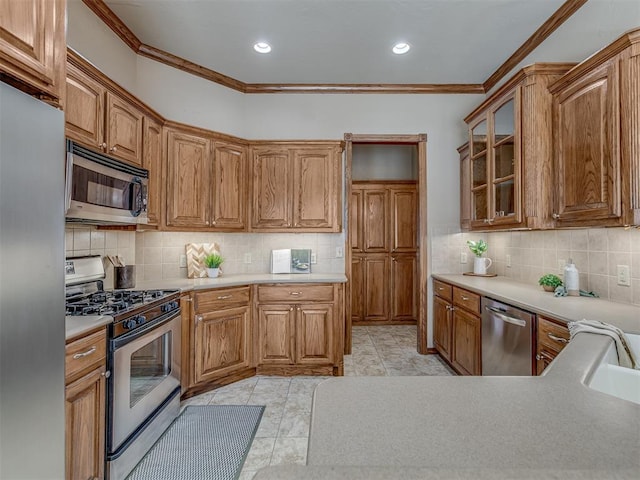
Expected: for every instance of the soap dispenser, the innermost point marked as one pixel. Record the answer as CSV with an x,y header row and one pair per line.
x,y
571,279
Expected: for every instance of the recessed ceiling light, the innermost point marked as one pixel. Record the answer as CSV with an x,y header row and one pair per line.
x,y
262,47
401,48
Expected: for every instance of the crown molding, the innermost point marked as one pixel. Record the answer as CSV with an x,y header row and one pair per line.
x,y
130,39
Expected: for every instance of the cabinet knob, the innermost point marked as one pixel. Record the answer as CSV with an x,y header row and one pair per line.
x,y
113,149
298,308
206,222
213,223
556,216
198,318
291,309
102,145
106,374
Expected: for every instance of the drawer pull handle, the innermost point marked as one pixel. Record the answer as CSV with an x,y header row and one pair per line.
x,y
557,339
84,354
295,293
441,288
224,297
464,299
544,356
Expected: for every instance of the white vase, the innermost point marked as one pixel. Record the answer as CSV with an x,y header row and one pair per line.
x,y
480,265
213,272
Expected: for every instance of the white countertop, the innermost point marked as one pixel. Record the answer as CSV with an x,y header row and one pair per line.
x,y
534,299
77,326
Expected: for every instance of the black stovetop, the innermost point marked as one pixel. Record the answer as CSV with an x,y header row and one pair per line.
x,y
116,302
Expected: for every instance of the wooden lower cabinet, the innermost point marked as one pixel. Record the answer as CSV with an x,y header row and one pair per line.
x,y
465,354
552,337
85,397
303,335
219,339
442,327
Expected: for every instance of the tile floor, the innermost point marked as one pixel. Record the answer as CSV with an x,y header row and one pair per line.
x,y
283,432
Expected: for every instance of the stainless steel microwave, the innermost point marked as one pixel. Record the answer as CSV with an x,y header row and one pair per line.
x,y
102,190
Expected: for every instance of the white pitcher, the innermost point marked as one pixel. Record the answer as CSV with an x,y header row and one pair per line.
x,y
480,265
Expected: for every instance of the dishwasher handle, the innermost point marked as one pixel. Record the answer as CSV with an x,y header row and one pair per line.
x,y
506,318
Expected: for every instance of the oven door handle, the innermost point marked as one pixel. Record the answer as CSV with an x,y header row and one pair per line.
x,y
506,318
133,335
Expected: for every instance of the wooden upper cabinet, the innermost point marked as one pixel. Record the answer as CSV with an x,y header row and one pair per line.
x,y
33,46
124,133
597,138
404,219
152,161
188,171
85,109
506,182
296,186
229,196
271,189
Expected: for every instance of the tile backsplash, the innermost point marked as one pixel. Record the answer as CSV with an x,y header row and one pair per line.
x,y
596,252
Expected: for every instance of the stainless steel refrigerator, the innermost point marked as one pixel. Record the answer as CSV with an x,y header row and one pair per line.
x,y
32,317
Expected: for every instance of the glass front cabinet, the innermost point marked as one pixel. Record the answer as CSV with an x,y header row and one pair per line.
x,y
506,180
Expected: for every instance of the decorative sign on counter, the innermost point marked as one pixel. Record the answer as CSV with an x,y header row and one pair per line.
x,y
297,260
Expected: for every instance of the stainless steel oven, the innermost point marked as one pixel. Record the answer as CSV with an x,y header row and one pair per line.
x,y
144,388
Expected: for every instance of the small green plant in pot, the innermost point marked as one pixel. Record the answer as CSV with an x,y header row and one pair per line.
x,y
477,248
213,262
550,282
480,263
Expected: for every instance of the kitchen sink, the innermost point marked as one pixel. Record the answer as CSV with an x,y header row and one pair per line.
x,y
612,379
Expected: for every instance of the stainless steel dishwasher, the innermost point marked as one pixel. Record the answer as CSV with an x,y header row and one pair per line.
x,y
507,339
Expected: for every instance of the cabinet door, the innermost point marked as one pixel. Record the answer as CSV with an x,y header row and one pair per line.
x,y
315,193
376,290
276,334
84,110
32,42
466,342
355,221
404,288
376,220
229,180
221,343
587,140
188,188
314,334
152,161
404,219
124,130
85,426
478,139
442,327
357,288
271,189
465,187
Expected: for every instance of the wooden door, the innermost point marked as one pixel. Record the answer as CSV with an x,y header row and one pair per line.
x,y
404,219
314,334
376,290
221,343
466,342
32,43
376,220
152,161
404,288
124,130
355,220
271,189
85,426
315,195
229,191
276,334
442,327
587,149
84,110
188,186
357,288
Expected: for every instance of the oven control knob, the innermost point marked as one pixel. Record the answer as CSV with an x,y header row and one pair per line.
x,y
174,305
129,324
141,319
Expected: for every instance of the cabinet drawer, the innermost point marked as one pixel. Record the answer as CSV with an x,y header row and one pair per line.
x,y
85,352
443,290
295,293
551,335
466,299
219,299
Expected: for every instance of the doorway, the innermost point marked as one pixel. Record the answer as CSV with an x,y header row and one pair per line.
x,y
386,175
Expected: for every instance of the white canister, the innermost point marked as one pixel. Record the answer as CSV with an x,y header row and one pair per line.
x,y
572,279
480,265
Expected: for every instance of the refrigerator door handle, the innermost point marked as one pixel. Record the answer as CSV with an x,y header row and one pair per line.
x,y
506,318
68,182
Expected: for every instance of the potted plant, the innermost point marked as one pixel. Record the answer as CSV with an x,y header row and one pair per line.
x,y
213,262
480,264
550,282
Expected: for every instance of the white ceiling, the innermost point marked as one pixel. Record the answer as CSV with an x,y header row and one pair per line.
x,y
349,41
